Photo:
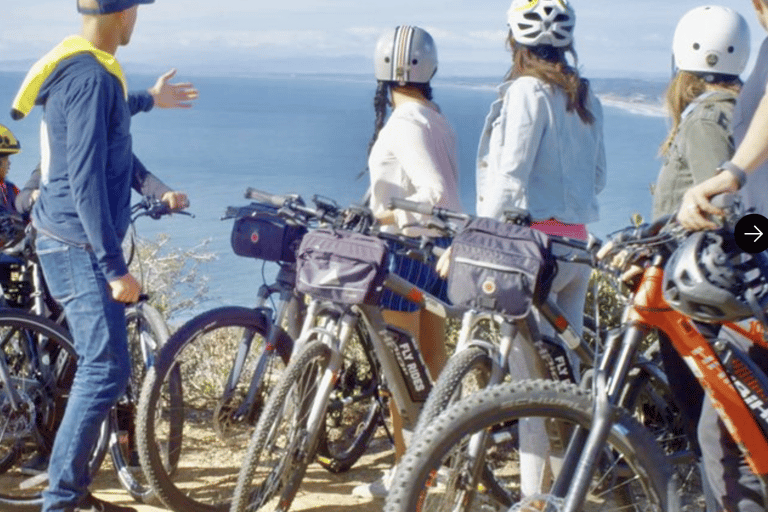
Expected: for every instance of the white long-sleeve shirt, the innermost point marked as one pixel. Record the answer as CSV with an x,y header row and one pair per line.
x,y
537,156
753,192
414,158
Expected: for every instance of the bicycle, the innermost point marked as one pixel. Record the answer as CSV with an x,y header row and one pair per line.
x,y
37,365
342,271
147,333
486,358
481,361
35,334
596,435
195,397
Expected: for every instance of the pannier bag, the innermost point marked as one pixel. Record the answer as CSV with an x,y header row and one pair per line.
x,y
259,232
341,266
499,266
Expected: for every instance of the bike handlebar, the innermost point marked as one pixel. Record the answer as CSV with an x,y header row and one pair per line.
x,y
276,200
293,208
427,209
154,208
417,248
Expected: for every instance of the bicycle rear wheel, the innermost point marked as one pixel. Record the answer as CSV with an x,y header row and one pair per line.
x,y
193,419
465,372
41,362
147,332
436,473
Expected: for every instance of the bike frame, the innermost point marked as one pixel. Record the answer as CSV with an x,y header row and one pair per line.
x,y
646,310
337,334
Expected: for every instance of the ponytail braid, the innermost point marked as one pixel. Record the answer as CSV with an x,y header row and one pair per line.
x,y
380,104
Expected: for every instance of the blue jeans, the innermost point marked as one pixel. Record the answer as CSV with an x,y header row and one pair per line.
x,y
97,324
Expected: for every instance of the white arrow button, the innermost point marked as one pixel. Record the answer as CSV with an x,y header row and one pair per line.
x,y
759,233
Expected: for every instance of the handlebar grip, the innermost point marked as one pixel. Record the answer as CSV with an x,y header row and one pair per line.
x,y
654,228
265,197
325,203
411,206
723,200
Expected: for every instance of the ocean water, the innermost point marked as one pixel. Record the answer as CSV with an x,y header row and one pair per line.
x,y
309,135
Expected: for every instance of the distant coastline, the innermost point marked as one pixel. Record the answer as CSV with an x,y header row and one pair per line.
x,y
637,96
636,105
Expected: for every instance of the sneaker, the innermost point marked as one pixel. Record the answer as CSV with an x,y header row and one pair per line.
x,y
93,504
376,489
36,465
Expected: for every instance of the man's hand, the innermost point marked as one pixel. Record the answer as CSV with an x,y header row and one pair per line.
x,y
125,289
167,95
175,200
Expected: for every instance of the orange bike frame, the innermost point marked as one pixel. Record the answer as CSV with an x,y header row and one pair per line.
x,y
649,308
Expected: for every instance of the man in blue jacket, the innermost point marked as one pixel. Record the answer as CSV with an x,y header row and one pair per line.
x,y
81,216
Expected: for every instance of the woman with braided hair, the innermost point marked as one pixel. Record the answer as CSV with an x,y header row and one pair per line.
x,y
412,156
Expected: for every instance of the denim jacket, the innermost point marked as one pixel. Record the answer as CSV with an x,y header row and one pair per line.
x,y
535,155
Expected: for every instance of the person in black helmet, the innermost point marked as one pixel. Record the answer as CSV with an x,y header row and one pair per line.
x,y
9,145
81,216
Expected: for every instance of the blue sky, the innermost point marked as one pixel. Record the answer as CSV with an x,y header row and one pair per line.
x,y
613,38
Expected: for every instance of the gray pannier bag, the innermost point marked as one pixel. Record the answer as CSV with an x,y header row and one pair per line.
x,y
501,267
341,266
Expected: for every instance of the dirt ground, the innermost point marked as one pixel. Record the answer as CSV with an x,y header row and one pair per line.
x,y
321,491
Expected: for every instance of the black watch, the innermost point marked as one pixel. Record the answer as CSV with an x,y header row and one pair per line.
x,y
738,172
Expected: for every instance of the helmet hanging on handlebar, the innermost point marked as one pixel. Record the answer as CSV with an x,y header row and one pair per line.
x,y
710,279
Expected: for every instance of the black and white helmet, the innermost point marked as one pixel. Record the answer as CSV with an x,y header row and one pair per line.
x,y
540,22
711,39
404,55
710,279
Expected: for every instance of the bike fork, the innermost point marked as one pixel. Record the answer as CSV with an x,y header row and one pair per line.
x,y
269,352
328,379
5,380
585,449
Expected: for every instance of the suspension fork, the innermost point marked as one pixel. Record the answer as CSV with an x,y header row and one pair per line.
x,y
330,375
497,352
244,348
584,448
516,339
7,383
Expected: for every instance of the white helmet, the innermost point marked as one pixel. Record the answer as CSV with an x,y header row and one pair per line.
x,y
405,55
711,39
538,22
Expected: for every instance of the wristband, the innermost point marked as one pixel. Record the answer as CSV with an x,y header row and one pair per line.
x,y
738,172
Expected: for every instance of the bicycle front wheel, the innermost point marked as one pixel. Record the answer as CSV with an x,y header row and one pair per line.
x,y
40,361
196,412
147,332
283,444
354,409
438,473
